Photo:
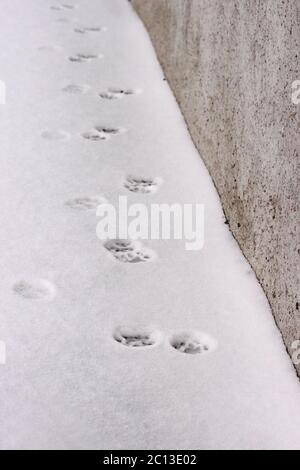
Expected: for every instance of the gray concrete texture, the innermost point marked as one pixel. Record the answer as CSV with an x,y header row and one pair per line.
x,y
231,65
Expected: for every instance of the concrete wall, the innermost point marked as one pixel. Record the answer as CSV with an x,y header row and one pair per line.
x,y
231,64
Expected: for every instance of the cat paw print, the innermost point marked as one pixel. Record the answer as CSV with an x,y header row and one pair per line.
x,y
193,343
103,133
128,251
142,185
84,58
35,289
75,89
118,93
63,7
137,337
89,29
90,203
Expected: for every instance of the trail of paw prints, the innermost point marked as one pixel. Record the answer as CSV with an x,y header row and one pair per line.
x,y
193,343
81,58
90,203
103,133
128,251
63,7
142,185
89,29
55,135
35,289
118,93
136,338
187,343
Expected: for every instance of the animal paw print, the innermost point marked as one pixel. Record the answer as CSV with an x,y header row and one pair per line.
x,y
136,338
86,203
142,185
117,93
63,6
127,251
74,89
94,136
86,30
102,133
82,58
193,343
35,289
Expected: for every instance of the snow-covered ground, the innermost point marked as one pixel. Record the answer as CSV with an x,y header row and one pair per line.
x,y
68,383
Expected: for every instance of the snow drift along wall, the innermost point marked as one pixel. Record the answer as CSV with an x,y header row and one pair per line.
x,y
231,65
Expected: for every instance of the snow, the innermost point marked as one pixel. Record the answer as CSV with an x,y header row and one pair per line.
x,y
72,315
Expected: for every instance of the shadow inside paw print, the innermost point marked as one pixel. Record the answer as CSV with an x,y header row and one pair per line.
x,y
193,343
127,251
102,133
110,130
63,6
142,185
90,203
35,289
118,93
94,136
74,89
82,58
92,29
136,338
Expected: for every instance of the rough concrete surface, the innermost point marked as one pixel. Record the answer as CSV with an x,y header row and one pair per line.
x,y
231,64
